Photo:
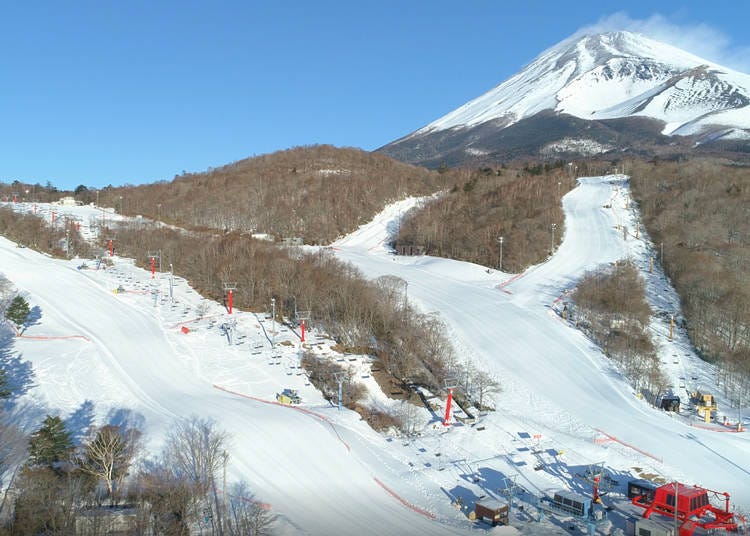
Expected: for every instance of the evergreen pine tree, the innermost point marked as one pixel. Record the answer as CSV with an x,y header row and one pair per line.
x,y
17,312
51,444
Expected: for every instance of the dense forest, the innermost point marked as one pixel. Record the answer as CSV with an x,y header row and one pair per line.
x,y
521,205
316,193
697,213
609,305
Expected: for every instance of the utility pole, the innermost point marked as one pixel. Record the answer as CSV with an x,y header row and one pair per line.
x,y
171,283
273,323
552,246
500,262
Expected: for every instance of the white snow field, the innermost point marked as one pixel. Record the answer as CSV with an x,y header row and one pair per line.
x,y
98,356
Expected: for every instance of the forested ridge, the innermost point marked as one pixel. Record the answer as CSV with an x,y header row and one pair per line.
x,y
695,211
316,193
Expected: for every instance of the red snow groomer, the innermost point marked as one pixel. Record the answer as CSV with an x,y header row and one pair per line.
x,y
693,508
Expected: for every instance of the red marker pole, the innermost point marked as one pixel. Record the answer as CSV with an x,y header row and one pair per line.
x,y
230,301
110,248
153,267
447,420
302,327
34,208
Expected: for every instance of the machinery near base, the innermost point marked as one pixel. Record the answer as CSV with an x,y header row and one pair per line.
x,y
569,504
705,405
693,508
288,396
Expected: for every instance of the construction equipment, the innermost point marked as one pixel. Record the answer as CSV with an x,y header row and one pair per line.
x,y
705,404
288,396
693,508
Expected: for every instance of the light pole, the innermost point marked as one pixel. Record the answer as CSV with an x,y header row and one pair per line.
x,y
552,245
404,309
500,262
273,323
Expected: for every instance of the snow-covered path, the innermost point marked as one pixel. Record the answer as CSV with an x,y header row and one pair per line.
x,y
550,372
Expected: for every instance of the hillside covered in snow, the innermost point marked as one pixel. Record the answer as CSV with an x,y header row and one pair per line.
x,y
601,79
96,356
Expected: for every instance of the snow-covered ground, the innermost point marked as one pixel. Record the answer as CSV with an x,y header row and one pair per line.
x,y
103,356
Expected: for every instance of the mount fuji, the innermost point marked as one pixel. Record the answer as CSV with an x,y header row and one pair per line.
x,y
609,92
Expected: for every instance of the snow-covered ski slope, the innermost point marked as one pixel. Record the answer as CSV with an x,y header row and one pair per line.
x,y
102,356
554,379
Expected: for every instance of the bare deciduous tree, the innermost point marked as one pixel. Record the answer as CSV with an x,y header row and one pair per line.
x,y
245,515
195,448
13,449
109,454
484,385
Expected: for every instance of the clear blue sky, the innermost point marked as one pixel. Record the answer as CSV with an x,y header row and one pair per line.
x,y
128,91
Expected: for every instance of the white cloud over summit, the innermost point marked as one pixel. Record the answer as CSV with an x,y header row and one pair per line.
x,y
700,39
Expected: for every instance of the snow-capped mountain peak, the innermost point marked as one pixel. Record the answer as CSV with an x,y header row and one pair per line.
x,y
612,75
597,93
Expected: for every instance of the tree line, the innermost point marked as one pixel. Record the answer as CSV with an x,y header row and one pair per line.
x,y
695,211
520,204
609,305
365,317
106,485
30,230
317,193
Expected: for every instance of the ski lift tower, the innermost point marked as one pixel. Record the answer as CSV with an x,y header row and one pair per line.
x,y
302,316
341,377
450,384
509,490
154,255
229,289
597,476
